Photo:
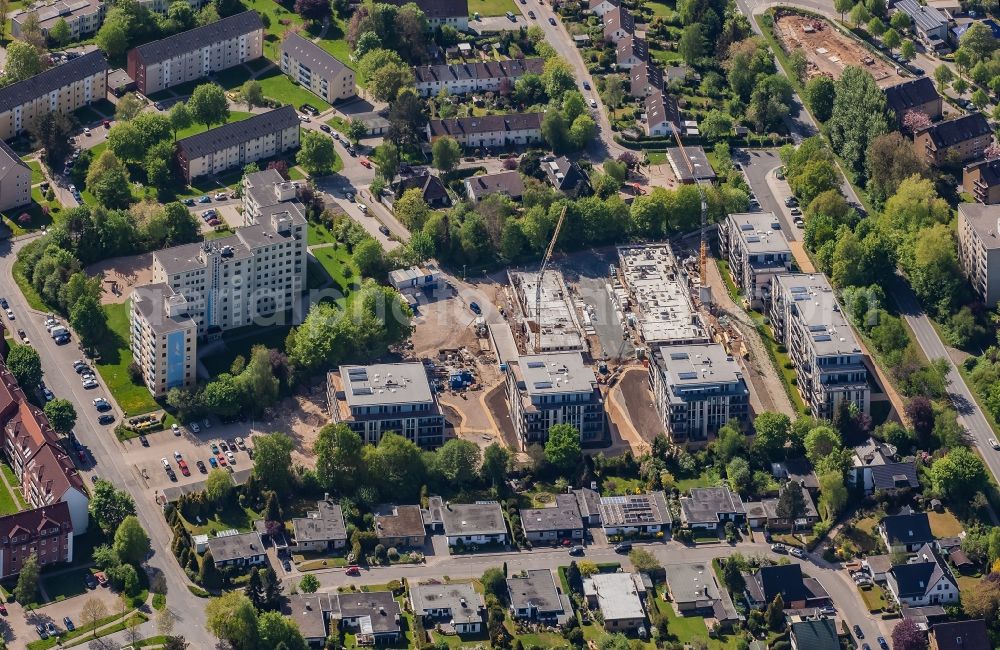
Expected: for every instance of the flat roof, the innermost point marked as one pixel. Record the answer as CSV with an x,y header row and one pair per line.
x,y
618,594
480,518
386,383
461,599
985,222
234,547
697,365
536,589
560,329
759,232
150,299
325,523
691,582
399,521
635,510
656,283
817,308
564,514
554,373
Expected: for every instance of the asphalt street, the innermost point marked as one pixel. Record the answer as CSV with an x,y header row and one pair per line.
x,y
103,448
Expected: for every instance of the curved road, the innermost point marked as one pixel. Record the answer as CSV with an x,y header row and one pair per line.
x,y
104,448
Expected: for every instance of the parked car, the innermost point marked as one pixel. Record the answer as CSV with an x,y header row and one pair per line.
x,y
67,621
47,394
231,457
353,571
101,578
207,423
41,631
214,463
90,383
221,196
779,548
531,15
194,427
90,581
882,643
188,202
204,198
994,443
144,440
221,459
105,419
552,21
384,230
182,464
857,631
101,404
365,163
286,565
797,552
475,308
223,445
176,429
576,550
623,547
201,467
324,128
586,85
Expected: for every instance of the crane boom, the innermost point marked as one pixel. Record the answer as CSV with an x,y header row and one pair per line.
x,y
541,271
703,248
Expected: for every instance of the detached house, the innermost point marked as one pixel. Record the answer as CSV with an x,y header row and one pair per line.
x,y
601,7
620,597
959,140
322,529
554,523
635,514
534,596
399,526
786,580
709,507
458,605
507,183
467,523
925,580
961,635
905,532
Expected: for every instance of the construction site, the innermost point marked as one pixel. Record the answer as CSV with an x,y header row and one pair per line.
x,y
547,319
828,50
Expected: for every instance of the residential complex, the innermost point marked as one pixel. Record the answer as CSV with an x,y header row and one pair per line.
x,y
979,248
473,76
15,179
556,388
957,140
981,179
203,289
196,53
930,24
757,250
239,143
917,95
83,17
60,89
45,532
550,325
489,130
263,190
396,397
311,66
828,360
653,295
696,390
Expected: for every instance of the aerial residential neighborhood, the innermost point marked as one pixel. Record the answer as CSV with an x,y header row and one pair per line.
x,y
454,324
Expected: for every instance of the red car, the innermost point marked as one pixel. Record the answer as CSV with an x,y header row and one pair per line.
x,y
184,467
107,124
221,459
3,609
82,455
365,162
353,571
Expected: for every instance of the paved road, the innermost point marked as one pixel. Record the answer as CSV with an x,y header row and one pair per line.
x,y
836,582
104,449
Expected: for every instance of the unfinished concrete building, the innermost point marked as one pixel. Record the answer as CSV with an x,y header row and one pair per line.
x,y
555,326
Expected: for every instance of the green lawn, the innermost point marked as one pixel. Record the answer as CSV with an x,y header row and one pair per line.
x,y
241,342
319,234
278,86
335,42
492,7
708,478
874,598
113,362
8,473
661,9
656,157
665,57
232,517
8,505
36,171
781,362
688,629
944,524
194,129
281,20
233,78
338,265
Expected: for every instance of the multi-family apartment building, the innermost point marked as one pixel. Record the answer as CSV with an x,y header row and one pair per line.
x,y
696,390
489,130
918,95
83,17
238,143
555,388
453,13
828,360
979,248
161,6
473,76
959,140
757,250
15,179
61,89
982,180
46,533
203,289
196,53
265,189
397,397
311,66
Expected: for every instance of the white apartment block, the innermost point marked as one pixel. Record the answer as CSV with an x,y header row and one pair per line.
x,y
829,363
979,249
83,17
61,89
757,250
474,76
196,53
311,66
238,143
203,289
264,189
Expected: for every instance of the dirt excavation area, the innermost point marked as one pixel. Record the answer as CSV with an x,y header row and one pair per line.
x,y
120,274
828,51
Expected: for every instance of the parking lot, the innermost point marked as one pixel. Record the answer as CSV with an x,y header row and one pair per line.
x,y
192,448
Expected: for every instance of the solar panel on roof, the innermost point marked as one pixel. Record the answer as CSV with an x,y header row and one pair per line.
x,y
536,364
677,356
687,375
543,384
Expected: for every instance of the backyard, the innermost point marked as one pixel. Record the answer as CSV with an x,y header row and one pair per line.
x,y
278,86
113,360
491,7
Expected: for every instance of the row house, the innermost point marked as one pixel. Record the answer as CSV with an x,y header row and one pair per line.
x,y
475,76
489,130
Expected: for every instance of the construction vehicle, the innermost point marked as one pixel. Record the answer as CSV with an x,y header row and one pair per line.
x,y
541,273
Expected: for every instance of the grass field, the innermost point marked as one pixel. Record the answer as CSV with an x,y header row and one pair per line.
x,y
319,234
492,7
278,86
36,171
40,213
8,505
944,524
233,78
281,20
232,517
339,266
114,360
194,129
874,598
12,481
661,9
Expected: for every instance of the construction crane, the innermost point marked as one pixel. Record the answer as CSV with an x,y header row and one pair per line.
x,y
541,272
703,248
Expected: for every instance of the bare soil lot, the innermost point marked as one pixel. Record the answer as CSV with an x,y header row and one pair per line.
x,y
120,274
828,51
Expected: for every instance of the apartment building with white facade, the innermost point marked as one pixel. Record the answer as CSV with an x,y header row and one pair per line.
x,y
473,76
196,53
60,89
489,130
264,189
311,66
696,390
15,179
238,143
979,249
757,250
555,388
202,289
396,397
808,321
83,17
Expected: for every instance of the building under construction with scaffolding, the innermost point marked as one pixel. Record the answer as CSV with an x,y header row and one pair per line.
x,y
549,324
652,291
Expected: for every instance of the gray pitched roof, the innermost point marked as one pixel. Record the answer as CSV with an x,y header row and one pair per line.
x,y
816,635
220,30
9,159
45,82
910,528
509,183
319,60
470,125
960,129
895,475
917,579
512,68
234,133
962,635
908,94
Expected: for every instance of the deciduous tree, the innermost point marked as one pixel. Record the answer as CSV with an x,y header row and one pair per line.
x,y
208,105
61,414
562,449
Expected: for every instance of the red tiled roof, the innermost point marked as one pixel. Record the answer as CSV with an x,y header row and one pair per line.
x,y
35,520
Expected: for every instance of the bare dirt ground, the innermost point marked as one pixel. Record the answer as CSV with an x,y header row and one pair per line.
x,y
300,416
828,51
120,274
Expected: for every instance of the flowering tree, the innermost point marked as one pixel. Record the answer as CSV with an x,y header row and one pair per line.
x,y
992,151
913,121
907,636
24,219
